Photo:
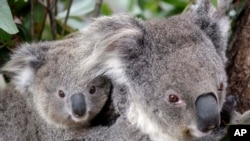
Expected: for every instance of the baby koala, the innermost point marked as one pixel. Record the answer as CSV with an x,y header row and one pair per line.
x,y
63,108
47,74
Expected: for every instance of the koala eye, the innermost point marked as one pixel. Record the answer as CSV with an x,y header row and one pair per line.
x,y
92,90
61,93
173,98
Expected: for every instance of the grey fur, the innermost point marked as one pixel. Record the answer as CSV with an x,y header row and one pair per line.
x,y
183,55
160,57
39,71
214,22
237,118
19,122
2,83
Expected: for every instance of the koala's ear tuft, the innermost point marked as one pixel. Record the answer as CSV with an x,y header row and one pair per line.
x,y
23,64
113,38
117,31
213,21
205,7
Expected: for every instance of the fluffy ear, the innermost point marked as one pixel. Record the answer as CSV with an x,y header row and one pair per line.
x,y
213,21
207,15
112,38
23,64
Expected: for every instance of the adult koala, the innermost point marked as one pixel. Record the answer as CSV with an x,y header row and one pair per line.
x,y
173,68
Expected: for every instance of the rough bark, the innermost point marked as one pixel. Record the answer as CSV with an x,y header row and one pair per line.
x,y
239,61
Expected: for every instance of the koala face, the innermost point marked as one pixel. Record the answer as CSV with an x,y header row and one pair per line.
x,y
183,98
48,74
178,91
70,105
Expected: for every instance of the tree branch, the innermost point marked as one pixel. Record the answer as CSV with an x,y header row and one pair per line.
x,y
67,16
98,5
32,30
43,25
50,6
55,11
42,3
238,67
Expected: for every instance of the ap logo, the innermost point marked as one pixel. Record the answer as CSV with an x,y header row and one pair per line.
x,y
239,132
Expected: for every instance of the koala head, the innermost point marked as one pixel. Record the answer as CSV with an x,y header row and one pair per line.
x,y
183,98
48,74
173,68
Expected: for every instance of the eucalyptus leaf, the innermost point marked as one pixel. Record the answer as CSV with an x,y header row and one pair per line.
x,y
7,22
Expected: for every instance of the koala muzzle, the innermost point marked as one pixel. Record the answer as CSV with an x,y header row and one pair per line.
x,y
78,104
208,114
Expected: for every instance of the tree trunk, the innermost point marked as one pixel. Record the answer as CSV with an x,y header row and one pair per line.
x,y
238,67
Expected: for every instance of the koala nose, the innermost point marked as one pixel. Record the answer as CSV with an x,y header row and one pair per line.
x,y
78,104
208,114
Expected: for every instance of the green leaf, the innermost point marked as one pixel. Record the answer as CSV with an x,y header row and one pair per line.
x,y
177,3
105,9
5,39
215,3
141,4
4,36
6,22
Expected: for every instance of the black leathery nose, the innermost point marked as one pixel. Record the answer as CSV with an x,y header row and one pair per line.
x,y
78,104
208,114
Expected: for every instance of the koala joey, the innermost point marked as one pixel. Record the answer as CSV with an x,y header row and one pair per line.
x,y
48,76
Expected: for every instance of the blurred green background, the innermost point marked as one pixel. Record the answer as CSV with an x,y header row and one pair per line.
x,y
39,20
